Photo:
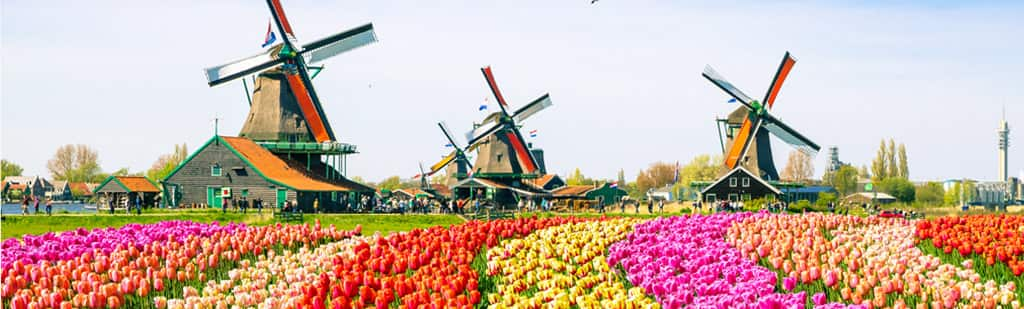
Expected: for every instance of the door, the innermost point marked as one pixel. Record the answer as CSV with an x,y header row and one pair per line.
x,y
282,195
213,197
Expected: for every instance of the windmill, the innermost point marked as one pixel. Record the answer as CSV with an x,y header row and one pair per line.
x,y
456,172
750,146
502,151
285,106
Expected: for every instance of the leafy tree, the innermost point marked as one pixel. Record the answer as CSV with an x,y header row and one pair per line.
x,y
879,170
892,169
575,179
952,196
799,167
167,163
901,189
657,175
845,180
390,183
930,193
700,168
863,172
904,171
824,198
8,168
74,163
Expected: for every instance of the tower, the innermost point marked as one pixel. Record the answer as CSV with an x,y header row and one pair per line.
x,y
1004,145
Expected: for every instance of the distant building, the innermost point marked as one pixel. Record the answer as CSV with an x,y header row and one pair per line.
x,y
870,198
739,185
228,169
29,185
809,194
833,160
61,191
124,190
548,181
664,193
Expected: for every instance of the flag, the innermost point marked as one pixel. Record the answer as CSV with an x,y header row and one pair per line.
x,y
733,100
615,184
533,133
269,38
449,145
483,107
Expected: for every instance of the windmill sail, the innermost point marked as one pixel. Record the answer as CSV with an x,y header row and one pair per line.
x,y
534,107
790,136
339,43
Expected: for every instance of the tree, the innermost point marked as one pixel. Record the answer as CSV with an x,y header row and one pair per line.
x,y
167,163
879,170
930,193
575,179
863,172
74,163
657,175
621,180
824,198
799,167
904,172
901,189
390,183
845,180
892,167
952,196
8,168
700,168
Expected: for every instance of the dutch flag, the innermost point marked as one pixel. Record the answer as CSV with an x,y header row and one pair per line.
x,y
533,133
270,37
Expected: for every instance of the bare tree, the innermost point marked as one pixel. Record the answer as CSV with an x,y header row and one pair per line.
x,y
167,163
74,163
799,167
657,175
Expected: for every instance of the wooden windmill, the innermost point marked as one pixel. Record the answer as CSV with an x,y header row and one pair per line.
x,y
747,144
285,106
461,167
501,150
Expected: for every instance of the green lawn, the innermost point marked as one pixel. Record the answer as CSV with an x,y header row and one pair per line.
x,y
17,225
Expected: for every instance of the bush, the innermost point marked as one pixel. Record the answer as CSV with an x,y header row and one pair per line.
x,y
800,206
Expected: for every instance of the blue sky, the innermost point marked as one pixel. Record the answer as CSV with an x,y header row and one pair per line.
x,y
126,77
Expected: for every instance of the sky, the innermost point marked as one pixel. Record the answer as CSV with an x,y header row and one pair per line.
x,y
125,77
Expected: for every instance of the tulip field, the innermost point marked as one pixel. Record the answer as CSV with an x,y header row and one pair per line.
x,y
724,260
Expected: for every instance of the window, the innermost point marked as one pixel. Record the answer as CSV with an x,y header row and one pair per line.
x,y
215,170
245,192
732,182
240,171
746,197
711,198
746,182
733,197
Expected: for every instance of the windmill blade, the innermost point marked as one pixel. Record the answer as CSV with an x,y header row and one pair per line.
x,y
790,136
240,68
489,76
780,77
315,120
482,131
339,43
441,164
283,26
741,142
536,106
719,80
523,155
447,134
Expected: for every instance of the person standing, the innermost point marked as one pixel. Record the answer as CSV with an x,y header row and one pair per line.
x,y
650,206
316,205
110,202
35,201
24,206
138,204
661,206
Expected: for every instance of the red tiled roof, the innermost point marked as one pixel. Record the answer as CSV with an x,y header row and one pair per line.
x,y
572,190
543,179
273,168
85,188
137,184
441,189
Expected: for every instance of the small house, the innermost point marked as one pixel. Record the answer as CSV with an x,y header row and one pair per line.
x,y
739,185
